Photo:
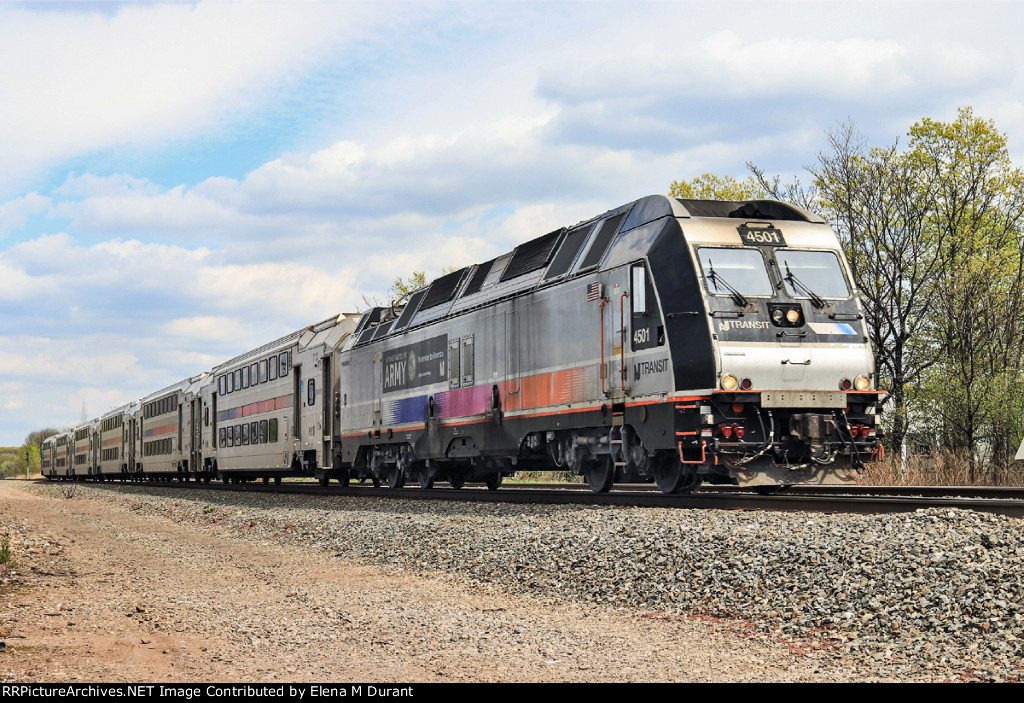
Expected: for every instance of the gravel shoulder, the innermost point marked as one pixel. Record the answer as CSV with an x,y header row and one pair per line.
x,y
139,583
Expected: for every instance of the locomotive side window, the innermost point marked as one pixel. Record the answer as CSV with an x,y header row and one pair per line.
x,y
497,268
742,269
571,246
807,271
601,242
638,293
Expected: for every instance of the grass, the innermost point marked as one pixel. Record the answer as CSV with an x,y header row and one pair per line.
x,y
6,554
69,490
943,469
544,477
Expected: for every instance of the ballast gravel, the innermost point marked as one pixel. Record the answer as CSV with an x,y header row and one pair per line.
x,y
932,595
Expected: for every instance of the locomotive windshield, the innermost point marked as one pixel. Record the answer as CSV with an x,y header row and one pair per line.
x,y
729,270
814,273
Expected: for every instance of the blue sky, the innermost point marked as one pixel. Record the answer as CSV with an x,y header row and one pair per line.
x,y
182,182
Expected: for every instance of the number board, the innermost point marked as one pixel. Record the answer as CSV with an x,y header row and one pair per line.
x,y
761,236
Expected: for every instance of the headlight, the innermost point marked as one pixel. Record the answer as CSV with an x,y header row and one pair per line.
x,y
729,382
862,383
793,316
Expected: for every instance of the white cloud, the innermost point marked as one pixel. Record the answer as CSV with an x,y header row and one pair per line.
x,y
151,72
14,213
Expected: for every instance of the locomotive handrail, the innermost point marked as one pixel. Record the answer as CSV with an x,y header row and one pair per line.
x,y
622,339
603,301
703,454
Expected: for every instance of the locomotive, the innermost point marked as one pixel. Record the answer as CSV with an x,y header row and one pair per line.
x,y
668,340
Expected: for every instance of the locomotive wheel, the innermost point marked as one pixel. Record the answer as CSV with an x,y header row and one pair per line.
x,y
493,481
343,477
425,475
672,477
277,480
376,481
457,480
600,473
396,477
324,479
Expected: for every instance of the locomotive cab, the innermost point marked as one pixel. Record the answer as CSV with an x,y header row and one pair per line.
x,y
790,375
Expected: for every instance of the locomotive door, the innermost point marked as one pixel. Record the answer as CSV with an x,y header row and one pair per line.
x,y
378,388
613,341
513,399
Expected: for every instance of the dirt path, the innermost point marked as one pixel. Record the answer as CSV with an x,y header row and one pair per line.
x,y
102,593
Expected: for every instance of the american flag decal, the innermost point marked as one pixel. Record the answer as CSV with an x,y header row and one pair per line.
x,y
593,292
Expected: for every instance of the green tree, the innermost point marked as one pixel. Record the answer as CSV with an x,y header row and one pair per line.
x,y
402,288
878,202
977,321
712,187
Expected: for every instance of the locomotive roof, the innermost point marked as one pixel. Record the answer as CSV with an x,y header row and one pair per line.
x,y
615,237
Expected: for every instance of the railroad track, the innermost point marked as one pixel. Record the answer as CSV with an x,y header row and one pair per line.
x,y
828,499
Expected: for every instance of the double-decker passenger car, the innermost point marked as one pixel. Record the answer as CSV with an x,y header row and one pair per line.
x,y
111,456
46,458
269,409
83,459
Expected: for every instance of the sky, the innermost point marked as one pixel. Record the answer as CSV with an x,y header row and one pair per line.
x,y
182,182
